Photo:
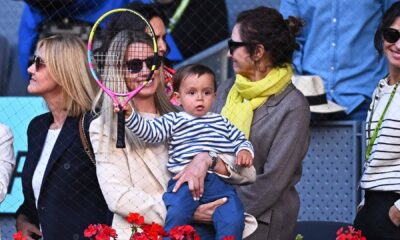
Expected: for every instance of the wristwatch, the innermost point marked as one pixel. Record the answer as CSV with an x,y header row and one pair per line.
x,y
214,160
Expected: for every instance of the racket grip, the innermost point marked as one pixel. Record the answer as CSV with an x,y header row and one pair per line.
x,y
121,129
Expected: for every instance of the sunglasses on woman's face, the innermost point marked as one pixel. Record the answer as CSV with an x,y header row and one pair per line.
x,y
232,45
39,62
391,35
136,65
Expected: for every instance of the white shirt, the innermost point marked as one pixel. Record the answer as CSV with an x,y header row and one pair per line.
x,y
383,166
37,178
7,161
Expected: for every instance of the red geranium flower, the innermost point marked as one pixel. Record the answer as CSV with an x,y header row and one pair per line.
x,y
135,218
142,231
102,236
154,231
19,236
100,232
229,238
350,234
138,236
183,232
109,231
90,231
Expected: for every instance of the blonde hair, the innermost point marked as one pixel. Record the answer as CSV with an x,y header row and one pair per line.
x,y
103,104
66,60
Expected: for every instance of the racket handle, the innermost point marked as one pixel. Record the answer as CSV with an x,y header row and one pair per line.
x,y
121,129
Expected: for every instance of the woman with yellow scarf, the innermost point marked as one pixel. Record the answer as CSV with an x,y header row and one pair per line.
x,y
262,102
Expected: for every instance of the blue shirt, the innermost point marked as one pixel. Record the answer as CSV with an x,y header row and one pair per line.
x,y
337,43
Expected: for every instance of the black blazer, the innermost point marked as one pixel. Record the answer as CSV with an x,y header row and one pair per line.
x,y
70,197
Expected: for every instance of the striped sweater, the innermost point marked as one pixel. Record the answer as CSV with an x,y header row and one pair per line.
x,y
382,170
187,135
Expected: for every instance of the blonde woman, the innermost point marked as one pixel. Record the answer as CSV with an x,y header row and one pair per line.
x,y
61,192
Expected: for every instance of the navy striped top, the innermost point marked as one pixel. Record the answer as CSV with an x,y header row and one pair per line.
x,y
187,135
382,170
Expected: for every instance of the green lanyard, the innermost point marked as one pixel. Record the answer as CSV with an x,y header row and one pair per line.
x,y
378,126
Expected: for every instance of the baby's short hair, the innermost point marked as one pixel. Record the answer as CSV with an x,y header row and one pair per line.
x,y
190,70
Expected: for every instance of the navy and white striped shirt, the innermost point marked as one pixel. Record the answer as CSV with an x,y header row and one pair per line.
x,y
187,135
382,172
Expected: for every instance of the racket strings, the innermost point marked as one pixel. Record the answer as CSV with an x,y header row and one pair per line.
x,y
113,73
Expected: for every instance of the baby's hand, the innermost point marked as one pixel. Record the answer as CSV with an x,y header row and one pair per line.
x,y
244,158
127,109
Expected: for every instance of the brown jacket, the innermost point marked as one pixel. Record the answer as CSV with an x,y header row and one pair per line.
x,y
280,136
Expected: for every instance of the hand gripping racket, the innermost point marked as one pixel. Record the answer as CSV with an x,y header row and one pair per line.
x,y
122,58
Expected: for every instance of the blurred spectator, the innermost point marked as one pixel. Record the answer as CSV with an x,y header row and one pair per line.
x,y
337,45
203,24
7,161
234,7
41,15
56,16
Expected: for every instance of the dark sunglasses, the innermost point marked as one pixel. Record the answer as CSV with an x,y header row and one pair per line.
x,y
136,65
232,45
390,35
39,62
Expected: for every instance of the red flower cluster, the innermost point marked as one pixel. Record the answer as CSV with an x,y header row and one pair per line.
x,y
185,232
350,234
100,232
19,236
143,231
229,238
135,218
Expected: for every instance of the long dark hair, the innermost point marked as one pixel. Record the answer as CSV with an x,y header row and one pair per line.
x,y
266,26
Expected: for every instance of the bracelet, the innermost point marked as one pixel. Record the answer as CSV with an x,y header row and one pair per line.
x,y
214,160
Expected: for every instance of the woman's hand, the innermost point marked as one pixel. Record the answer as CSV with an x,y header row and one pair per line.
x,y
27,228
394,215
205,211
194,174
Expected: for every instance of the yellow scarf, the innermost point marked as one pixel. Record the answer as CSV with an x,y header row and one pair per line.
x,y
246,96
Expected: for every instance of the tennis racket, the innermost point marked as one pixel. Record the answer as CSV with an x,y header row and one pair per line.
x,y
123,55
177,15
